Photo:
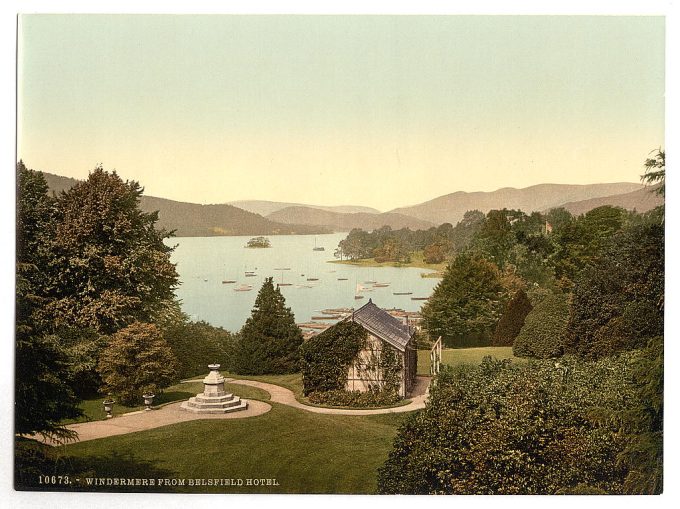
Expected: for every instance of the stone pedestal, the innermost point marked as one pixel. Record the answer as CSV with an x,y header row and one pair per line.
x,y
214,399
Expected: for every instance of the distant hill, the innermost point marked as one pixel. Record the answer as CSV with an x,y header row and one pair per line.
x,y
195,220
641,200
266,208
345,222
451,207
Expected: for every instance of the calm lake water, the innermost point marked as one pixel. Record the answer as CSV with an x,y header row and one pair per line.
x,y
204,262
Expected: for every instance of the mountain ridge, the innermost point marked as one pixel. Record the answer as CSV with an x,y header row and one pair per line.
x,y
347,221
449,208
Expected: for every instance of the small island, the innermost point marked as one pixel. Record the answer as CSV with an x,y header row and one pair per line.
x,y
257,242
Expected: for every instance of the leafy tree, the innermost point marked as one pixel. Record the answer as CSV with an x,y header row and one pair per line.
x,y
655,171
391,250
42,395
558,218
580,241
109,264
544,332
513,318
618,300
467,303
269,341
197,344
435,253
503,429
137,360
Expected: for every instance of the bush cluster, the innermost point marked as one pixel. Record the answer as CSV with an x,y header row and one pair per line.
x,y
499,428
543,333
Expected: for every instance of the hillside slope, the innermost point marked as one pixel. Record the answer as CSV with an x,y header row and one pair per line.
x,y
195,220
345,222
265,208
641,200
451,207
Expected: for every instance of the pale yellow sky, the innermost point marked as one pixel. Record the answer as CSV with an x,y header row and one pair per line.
x,y
378,111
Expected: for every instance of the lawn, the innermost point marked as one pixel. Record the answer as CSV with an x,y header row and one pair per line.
x,y
304,452
93,409
455,356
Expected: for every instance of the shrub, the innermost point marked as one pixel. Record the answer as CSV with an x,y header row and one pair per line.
x,y
543,333
327,356
137,360
500,428
354,398
197,344
512,320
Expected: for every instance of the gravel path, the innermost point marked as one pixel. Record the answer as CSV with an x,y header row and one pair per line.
x,y
287,397
170,414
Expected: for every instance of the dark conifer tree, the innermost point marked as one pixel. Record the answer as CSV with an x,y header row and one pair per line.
x,y
269,341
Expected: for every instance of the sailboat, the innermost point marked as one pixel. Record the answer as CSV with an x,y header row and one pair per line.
x,y
357,295
320,248
282,283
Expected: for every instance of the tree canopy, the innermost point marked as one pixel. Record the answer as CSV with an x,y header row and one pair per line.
x,y
269,341
467,303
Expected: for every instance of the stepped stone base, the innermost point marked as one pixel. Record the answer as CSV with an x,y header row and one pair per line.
x,y
214,400
219,405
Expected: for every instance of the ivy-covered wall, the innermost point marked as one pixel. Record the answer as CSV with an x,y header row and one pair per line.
x,y
326,357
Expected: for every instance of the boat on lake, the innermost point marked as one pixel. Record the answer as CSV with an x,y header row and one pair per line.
x,y
419,298
320,248
243,288
343,279
228,281
402,293
380,285
312,279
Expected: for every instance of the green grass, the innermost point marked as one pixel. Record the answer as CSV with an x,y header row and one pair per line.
x,y
455,356
93,409
304,452
416,261
292,382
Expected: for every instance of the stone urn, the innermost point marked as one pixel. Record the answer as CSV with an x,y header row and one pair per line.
x,y
108,407
148,400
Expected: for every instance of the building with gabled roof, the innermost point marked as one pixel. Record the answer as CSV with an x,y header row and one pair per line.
x,y
384,331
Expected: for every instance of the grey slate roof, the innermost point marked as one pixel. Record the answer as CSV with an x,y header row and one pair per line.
x,y
382,324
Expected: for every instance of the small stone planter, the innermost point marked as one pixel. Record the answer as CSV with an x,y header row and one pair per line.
x,y
108,407
148,400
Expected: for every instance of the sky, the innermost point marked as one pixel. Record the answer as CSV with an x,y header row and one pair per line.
x,y
381,111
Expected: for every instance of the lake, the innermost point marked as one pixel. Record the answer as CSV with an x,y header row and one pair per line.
x,y
204,262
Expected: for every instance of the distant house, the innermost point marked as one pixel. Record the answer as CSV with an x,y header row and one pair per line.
x,y
384,331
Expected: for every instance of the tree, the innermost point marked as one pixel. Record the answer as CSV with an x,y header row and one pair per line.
x,y
580,241
269,341
435,252
137,360
511,322
655,171
544,331
109,266
618,301
43,398
467,303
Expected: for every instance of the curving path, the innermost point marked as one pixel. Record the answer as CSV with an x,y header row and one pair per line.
x,y
163,416
171,414
287,397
